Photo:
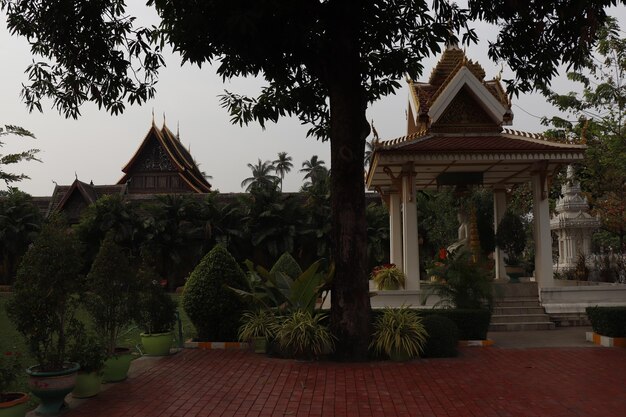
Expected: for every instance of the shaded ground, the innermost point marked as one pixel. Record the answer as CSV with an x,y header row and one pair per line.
x,y
494,381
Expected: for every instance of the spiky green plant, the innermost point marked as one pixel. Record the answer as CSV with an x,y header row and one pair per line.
x,y
399,330
303,335
388,277
260,323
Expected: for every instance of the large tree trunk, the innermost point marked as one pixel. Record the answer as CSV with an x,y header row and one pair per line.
x,y
350,304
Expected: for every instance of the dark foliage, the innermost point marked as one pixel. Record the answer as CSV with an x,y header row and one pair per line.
x,y
443,337
608,321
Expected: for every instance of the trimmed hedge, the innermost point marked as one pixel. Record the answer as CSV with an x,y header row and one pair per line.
x,y
472,324
608,321
214,310
443,337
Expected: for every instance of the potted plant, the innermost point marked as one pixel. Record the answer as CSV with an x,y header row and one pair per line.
x,y
88,351
399,333
259,327
46,296
12,404
388,277
156,315
511,238
302,335
112,303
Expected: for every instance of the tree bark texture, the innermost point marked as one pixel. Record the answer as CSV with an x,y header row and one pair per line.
x,y
350,303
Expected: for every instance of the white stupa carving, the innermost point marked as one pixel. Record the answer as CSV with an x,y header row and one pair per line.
x,y
572,223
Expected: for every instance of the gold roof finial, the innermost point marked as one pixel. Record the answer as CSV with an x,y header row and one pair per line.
x,y
178,130
153,115
164,124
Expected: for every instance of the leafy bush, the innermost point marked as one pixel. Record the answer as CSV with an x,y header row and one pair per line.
x,y
608,321
399,330
46,294
303,336
280,292
464,284
157,310
89,351
287,265
113,291
213,309
473,324
10,368
443,337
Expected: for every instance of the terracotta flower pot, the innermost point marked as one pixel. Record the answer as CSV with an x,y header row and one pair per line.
x,y
13,404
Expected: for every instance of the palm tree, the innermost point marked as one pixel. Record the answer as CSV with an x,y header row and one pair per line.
x,y
282,166
313,168
261,176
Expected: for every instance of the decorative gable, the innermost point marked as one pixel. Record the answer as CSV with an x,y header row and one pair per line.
x,y
464,113
455,75
162,165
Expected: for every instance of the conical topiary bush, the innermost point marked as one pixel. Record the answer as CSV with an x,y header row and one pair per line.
x,y
287,265
213,309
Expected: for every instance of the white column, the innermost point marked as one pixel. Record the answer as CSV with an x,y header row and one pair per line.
x,y
395,230
409,234
543,239
499,207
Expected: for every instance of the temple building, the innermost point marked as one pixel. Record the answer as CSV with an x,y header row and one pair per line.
x,y
456,136
161,165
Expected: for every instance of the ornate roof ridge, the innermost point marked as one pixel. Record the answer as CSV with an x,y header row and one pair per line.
x,y
538,137
401,140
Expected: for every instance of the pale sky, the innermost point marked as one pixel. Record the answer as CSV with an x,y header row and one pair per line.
x,y
96,146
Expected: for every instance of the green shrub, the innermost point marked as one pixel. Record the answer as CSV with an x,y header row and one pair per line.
x,y
473,324
113,291
287,265
214,310
443,337
46,294
608,321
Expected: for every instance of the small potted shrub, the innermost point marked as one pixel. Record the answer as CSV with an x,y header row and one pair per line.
x,y
259,327
88,351
302,335
45,299
111,302
156,316
399,333
511,238
388,277
11,403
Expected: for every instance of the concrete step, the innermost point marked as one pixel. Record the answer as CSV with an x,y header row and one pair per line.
x,y
517,302
497,311
520,318
518,327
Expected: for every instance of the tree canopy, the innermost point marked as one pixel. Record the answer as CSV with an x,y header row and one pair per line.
x,y
599,113
324,61
14,158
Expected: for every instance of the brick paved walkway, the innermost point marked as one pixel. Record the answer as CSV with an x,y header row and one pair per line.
x,y
485,382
